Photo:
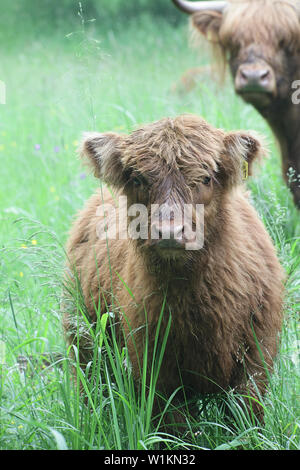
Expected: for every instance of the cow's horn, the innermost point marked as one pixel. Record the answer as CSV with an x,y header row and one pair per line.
x,y
192,7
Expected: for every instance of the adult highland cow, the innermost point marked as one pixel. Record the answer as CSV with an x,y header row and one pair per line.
x,y
224,297
260,39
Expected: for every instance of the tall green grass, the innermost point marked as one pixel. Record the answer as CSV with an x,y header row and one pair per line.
x,y
97,78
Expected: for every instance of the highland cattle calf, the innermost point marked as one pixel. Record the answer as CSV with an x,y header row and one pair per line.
x,y
224,295
260,40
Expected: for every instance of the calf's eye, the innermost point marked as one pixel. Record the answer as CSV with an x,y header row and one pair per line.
x,y
206,180
137,182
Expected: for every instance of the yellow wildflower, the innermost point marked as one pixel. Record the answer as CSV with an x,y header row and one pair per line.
x,y
34,242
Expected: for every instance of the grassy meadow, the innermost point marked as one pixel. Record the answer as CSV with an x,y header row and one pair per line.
x,y
93,76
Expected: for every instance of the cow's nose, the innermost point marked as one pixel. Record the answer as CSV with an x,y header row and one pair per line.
x,y
254,79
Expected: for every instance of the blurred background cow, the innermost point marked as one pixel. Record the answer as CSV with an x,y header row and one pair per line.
x,y
260,41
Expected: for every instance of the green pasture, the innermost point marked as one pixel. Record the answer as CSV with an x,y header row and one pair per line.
x,y
97,75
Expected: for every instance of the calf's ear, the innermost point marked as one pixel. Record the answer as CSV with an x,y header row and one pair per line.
x,y
241,149
103,153
208,23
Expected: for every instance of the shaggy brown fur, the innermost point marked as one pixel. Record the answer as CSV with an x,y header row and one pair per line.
x,y
220,296
264,34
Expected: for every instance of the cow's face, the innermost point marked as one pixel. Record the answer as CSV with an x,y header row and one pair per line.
x,y
168,168
261,42
256,78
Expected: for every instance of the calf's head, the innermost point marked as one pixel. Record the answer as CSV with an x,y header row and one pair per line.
x,y
169,169
260,39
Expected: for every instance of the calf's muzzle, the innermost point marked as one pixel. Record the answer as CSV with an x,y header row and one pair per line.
x,y
168,234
